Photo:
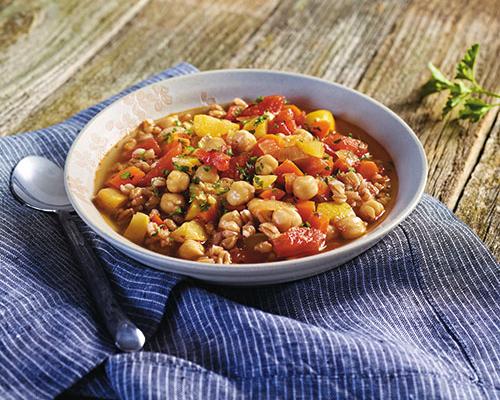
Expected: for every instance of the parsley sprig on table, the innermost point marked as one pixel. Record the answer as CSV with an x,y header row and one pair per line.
x,y
463,88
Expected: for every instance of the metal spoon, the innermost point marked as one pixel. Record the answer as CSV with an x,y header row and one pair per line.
x,y
39,184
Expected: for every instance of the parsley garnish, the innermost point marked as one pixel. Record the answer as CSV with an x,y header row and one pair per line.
x,y
306,225
259,99
165,172
229,152
204,205
195,180
182,168
260,119
463,88
177,211
126,175
190,149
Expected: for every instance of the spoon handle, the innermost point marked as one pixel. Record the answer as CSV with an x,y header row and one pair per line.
x,y
126,335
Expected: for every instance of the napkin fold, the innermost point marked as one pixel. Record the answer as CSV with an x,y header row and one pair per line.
x,y
416,316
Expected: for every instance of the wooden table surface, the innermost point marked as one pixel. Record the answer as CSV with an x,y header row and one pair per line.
x,y
58,57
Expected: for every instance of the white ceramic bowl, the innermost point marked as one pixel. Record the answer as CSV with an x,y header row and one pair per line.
x,y
177,94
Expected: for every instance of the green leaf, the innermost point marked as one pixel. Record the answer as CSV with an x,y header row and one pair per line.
x,y
474,109
465,68
437,83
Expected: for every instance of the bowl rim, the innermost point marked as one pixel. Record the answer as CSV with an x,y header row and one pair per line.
x,y
194,267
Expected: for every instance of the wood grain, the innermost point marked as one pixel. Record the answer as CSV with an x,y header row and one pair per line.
x,y
53,64
43,43
479,205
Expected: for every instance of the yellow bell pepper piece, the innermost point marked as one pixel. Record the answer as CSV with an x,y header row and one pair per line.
x,y
188,163
137,228
263,181
335,211
314,148
205,125
257,125
321,115
189,230
110,199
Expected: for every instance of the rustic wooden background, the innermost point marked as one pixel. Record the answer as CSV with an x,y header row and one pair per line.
x,y
58,57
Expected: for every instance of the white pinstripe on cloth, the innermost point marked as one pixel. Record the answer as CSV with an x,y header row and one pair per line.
x,y
416,316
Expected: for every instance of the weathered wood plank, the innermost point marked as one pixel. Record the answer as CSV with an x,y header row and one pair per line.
x,y
43,43
316,37
438,31
479,205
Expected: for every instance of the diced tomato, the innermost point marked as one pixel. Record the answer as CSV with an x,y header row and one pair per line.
x,y
275,193
232,112
367,168
217,159
287,167
164,163
272,104
299,242
146,144
131,175
283,123
236,164
336,141
316,166
266,145
298,115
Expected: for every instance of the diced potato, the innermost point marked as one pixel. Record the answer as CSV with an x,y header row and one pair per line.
x,y
335,211
314,148
257,125
193,211
205,125
137,228
110,199
321,115
263,181
190,230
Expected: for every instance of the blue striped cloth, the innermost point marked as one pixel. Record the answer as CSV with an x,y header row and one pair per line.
x,y
416,316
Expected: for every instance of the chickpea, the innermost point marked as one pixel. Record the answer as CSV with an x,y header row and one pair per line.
x,y
171,202
240,193
370,210
167,122
209,143
351,227
265,165
286,218
305,187
177,181
243,141
191,250
207,173
303,135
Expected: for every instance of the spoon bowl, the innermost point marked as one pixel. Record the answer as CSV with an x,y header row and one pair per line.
x,y
39,183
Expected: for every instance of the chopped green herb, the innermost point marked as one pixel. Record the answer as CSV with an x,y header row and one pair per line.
x,y
259,120
306,225
258,181
190,149
177,122
252,131
178,211
126,175
204,205
195,180
259,99
206,168
182,168
229,152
